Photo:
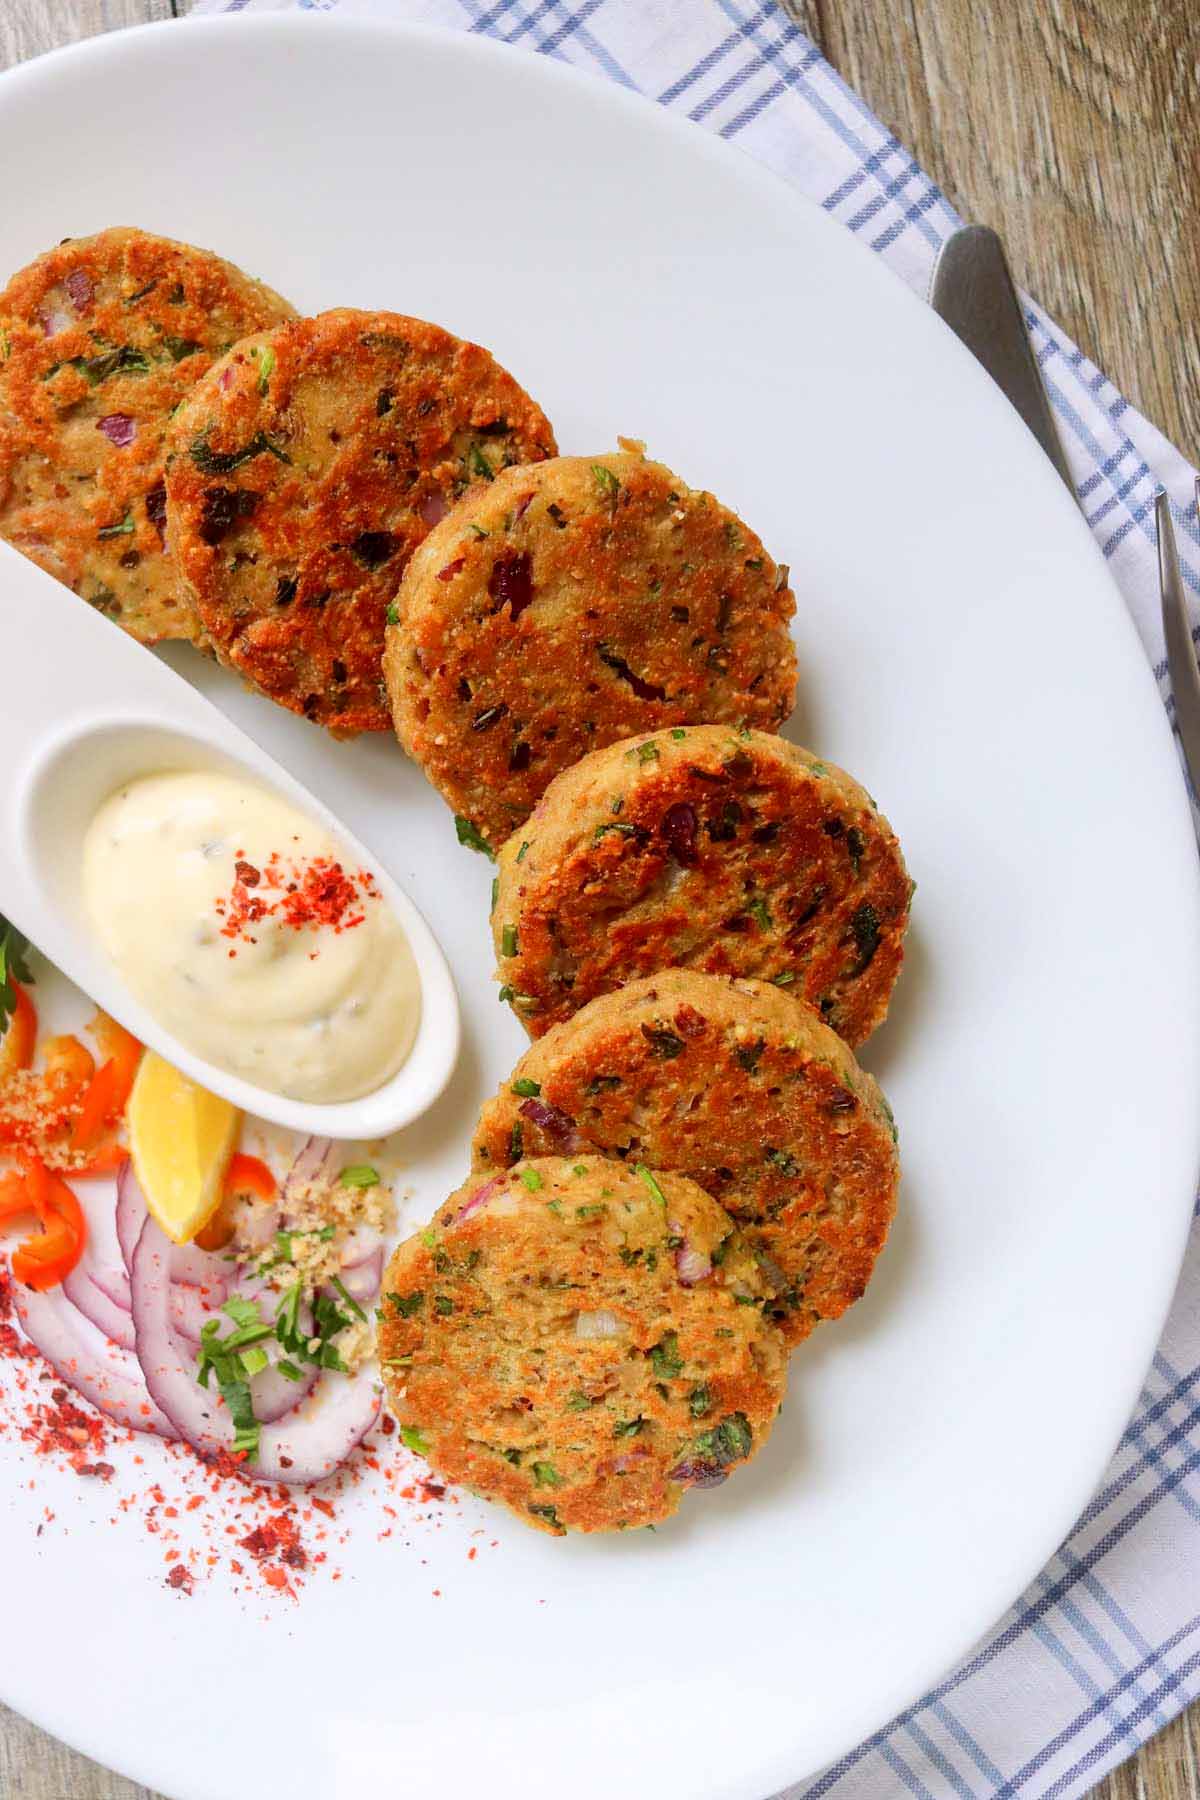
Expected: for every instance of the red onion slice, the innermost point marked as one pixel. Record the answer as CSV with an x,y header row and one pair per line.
x,y
361,1280
114,1283
109,1378
274,1397
433,509
119,428
360,1246
305,1446
97,1308
312,1165
692,1266
131,1212
558,1126
479,1198
200,1268
192,1308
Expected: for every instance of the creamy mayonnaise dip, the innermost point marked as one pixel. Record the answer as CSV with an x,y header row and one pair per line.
x,y
244,929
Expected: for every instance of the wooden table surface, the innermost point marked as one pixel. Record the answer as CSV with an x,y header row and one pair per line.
x,y
1073,127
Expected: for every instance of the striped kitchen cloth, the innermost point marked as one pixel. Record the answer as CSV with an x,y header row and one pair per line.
x,y
1104,1648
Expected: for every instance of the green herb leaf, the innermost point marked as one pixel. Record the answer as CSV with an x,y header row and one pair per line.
x,y
628,1427
351,1302
408,1304
606,480
546,1475
532,1179
14,966
665,1357
410,1437
478,463
700,1401
520,856
508,941
264,356
527,1089
656,1193
359,1175
468,835
220,462
579,1402
124,529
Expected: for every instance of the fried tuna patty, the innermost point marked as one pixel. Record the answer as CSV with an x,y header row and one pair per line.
x,y
100,340
582,1342
742,1088
302,475
566,606
708,849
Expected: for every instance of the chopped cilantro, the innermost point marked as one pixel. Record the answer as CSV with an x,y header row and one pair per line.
x,y
520,857
590,1212
628,1427
221,462
124,529
700,1401
551,1517
359,1175
546,1475
606,480
264,356
532,1179
678,733
785,978
478,463
468,835
665,1356
761,913
410,1437
393,616
14,966
506,993
429,1237
579,1402
443,1305
351,1302
656,1193
526,1088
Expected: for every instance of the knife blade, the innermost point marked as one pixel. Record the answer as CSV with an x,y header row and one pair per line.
x,y
973,292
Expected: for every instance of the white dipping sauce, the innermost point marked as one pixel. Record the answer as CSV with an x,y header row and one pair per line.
x,y
307,1010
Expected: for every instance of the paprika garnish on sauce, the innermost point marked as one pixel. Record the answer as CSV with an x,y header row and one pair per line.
x,y
235,920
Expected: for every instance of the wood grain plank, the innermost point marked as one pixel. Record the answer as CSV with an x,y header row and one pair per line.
x,y
1073,127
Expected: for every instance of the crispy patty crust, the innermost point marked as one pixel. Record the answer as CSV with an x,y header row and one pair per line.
x,y
582,1342
302,475
744,1089
100,339
728,852
566,606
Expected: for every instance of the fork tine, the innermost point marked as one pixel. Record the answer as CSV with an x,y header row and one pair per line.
x,y
1177,629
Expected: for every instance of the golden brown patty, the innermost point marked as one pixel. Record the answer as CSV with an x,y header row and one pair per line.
x,y
703,848
567,606
100,340
582,1342
744,1089
305,471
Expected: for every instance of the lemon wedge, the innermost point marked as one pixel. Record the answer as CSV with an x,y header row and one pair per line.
x,y
180,1138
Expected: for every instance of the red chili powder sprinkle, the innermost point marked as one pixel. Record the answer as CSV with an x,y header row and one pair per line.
x,y
209,1518
302,894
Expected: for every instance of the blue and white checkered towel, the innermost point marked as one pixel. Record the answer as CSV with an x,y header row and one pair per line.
x,y
1104,1648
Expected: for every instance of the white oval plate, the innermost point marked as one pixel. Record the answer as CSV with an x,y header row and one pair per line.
x,y
967,656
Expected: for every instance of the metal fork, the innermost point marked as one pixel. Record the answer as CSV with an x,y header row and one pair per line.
x,y
1181,651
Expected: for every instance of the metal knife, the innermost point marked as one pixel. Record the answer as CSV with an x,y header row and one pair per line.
x,y
973,292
